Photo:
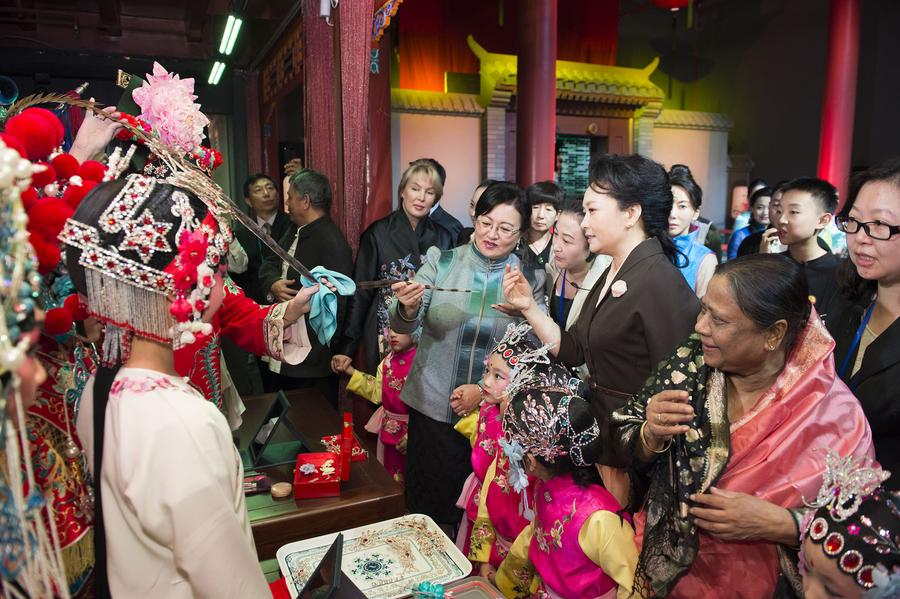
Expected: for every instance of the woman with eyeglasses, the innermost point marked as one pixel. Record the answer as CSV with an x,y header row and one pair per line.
x,y
458,328
639,310
867,330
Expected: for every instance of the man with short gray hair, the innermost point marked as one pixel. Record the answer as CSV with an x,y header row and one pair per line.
x,y
316,241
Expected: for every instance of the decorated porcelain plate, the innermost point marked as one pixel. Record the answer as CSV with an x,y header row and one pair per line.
x,y
384,559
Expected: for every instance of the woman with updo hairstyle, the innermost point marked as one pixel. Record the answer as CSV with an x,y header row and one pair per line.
x,y
640,308
730,435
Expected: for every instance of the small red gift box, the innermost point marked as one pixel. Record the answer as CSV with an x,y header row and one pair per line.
x,y
317,475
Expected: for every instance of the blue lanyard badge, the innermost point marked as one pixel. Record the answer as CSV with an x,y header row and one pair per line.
x,y
856,339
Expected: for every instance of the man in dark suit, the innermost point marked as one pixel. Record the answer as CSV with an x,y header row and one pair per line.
x,y
316,241
264,200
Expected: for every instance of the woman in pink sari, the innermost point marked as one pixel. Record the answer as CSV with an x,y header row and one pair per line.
x,y
731,433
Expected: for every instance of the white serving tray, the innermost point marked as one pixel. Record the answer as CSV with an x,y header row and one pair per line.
x,y
384,559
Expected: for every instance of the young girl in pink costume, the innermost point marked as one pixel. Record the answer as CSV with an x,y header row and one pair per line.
x,y
488,485
580,543
389,422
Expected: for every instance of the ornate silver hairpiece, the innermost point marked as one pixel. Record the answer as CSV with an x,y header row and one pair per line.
x,y
536,427
845,483
544,429
525,364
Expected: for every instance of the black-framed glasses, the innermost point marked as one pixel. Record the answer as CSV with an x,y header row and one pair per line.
x,y
874,229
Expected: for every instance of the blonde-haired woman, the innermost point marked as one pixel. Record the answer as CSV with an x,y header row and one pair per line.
x,y
392,248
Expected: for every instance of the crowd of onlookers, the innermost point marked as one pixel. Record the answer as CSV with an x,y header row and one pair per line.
x,y
714,381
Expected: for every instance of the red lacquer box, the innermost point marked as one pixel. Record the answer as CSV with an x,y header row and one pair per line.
x,y
317,475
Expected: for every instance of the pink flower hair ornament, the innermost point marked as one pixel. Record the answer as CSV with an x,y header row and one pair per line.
x,y
167,105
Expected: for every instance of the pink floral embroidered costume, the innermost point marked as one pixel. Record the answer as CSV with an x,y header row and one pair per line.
x,y
580,543
567,540
501,517
389,422
484,451
478,538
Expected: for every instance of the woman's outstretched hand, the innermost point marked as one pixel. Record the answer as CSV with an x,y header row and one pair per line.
x,y
517,291
409,295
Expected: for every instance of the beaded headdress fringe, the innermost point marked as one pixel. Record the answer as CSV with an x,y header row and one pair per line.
x,y
125,306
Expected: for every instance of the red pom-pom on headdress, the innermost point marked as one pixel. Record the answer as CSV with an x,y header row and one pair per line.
x,y
65,166
42,177
29,197
76,308
48,255
38,130
75,193
47,218
58,321
14,143
92,170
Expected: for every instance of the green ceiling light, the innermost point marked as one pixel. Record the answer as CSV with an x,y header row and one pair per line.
x,y
215,74
229,36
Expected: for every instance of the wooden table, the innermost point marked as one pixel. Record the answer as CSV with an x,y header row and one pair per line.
x,y
371,495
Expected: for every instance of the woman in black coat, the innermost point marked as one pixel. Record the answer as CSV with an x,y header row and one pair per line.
x,y
392,248
867,329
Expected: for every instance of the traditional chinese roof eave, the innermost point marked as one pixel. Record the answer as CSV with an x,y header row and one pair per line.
x,y
574,80
693,119
429,102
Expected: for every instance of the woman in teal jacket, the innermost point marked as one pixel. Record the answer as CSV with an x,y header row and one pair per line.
x,y
458,330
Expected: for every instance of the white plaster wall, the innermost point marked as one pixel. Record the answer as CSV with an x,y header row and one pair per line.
x,y
454,141
706,153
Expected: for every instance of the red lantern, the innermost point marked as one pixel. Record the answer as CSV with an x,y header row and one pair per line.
x,y
672,5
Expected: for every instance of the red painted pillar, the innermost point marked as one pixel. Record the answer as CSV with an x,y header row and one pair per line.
x,y
839,102
536,93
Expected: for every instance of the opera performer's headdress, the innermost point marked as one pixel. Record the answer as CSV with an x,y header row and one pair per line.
x,y
145,254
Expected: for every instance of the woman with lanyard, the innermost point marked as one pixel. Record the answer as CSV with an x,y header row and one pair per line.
x,y
867,330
